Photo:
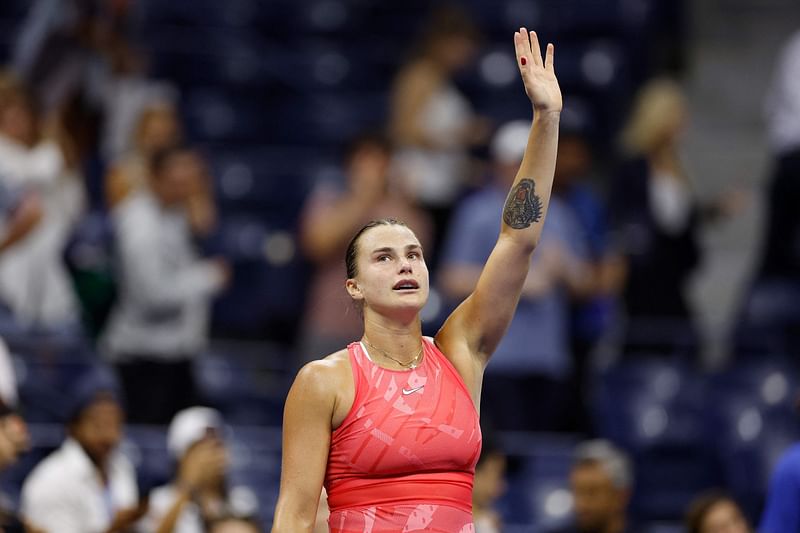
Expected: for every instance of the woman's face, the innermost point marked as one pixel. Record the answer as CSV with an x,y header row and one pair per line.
x,y
159,129
392,275
724,517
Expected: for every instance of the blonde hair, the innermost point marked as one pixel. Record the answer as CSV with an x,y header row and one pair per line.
x,y
658,105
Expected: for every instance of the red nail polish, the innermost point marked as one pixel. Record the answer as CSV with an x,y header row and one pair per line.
x,y
523,61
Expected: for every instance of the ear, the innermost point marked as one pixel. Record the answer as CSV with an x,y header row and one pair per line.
x,y
353,289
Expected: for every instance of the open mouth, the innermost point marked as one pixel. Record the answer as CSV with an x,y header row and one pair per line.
x,y
406,285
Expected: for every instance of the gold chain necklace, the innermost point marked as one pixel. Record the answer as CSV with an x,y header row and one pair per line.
x,y
411,364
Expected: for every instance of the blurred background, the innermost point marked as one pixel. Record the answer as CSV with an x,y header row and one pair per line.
x,y
178,182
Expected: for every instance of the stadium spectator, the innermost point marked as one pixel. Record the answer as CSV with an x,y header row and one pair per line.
x,y
198,494
656,221
601,481
158,128
14,439
782,509
13,430
431,121
37,161
329,219
86,485
532,364
592,315
715,512
160,321
9,452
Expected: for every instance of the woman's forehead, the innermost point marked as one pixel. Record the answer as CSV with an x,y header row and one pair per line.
x,y
388,236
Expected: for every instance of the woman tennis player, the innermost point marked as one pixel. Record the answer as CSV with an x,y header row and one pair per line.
x,y
389,425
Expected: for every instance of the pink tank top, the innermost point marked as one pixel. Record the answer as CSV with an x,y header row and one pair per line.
x,y
404,457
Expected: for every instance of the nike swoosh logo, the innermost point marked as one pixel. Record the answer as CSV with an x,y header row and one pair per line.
x,y
412,391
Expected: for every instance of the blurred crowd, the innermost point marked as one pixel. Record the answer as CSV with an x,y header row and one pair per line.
x,y
94,149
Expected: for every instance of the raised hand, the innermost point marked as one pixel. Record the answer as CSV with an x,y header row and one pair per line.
x,y
538,75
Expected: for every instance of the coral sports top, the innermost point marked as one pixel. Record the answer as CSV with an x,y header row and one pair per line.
x,y
404,457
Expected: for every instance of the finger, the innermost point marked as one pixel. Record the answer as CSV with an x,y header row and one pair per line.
x,y
535,50
549,55
521,47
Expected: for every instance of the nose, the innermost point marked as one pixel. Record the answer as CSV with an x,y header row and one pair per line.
x,y
405,266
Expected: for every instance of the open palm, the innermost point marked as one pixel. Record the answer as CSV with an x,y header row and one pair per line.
x,y
537,73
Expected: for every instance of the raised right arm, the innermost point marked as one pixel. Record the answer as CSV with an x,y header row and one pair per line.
x,y
307,426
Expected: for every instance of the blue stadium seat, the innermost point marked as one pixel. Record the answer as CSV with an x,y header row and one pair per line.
x,y
256,463
537,494
654,409
237,392
644,402
750,420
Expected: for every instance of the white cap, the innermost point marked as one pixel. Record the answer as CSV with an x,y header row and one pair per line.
x,y
190,426
509,142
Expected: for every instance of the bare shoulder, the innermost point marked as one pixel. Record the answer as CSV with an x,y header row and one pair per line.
x,y
326,374
327,386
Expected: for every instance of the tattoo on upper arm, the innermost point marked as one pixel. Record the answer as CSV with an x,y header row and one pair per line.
x,y
523,206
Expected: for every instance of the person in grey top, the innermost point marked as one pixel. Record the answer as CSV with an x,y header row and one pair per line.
x,y
160,321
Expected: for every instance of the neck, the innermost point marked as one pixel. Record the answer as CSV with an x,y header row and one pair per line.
x,y
399,337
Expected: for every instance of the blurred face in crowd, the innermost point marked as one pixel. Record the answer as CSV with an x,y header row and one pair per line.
x,y
391,273
158,129
368,168
724,517
489,480
98,429
178,177
17,120
454,52
597,501
14,438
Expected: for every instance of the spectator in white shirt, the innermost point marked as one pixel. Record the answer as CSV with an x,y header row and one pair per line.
x,y
34,282
85,486
160,321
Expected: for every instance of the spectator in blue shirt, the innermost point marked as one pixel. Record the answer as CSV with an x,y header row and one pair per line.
x,y
526,385
782,510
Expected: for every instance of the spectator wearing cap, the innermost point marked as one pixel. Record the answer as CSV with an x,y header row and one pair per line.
x,y
525,385
86,485
601,481
199,492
